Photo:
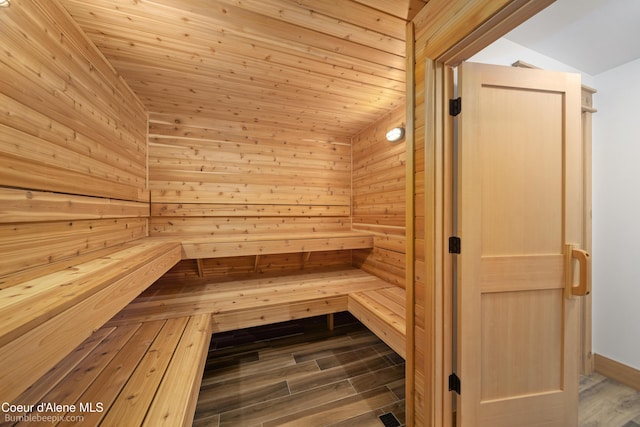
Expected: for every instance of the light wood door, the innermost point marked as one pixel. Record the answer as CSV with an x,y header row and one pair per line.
x,y
519,210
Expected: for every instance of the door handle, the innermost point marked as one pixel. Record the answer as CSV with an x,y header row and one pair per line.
x,y
584,261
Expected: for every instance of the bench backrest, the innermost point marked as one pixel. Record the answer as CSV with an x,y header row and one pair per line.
x,y
212,177
379,178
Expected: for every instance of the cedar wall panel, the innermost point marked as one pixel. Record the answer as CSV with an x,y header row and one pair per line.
x,y
379,198
420,386
244,267
213,177
73,142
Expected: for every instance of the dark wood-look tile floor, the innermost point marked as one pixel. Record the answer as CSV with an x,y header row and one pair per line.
x,y
300,374
607,403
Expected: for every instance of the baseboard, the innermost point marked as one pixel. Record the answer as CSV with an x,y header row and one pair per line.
x,y
620,372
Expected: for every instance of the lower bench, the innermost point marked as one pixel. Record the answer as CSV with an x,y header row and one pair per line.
x,y
141,373
383,312
244,303
241,304
144,367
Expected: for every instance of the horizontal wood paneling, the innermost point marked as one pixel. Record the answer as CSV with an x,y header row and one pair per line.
x,y
387,264
379,198
242,267
68,123
217,224
210,178
240,210
329,67
31,244
73,143
192,192
19,206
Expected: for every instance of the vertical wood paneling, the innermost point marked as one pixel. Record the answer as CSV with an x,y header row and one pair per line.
x,y
421,399
72,143
379,197
410,185
432,225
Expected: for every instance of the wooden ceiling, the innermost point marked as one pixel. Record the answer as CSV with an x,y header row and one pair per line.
x,y
331,67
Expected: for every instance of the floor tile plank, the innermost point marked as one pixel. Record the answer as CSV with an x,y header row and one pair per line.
x,y
226,399
244,381
607,403
344,372
252,369
329,362
363,379
294,403
336,411
380,377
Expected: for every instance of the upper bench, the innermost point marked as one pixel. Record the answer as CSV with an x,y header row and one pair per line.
x,y
198,247
45,312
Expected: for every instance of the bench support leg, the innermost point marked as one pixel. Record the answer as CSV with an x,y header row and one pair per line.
x,y
305,259
330,322
200,262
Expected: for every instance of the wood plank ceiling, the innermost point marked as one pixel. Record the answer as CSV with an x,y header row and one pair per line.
x,y
330,67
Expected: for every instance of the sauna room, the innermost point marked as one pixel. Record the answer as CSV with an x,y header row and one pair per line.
x,y
196,189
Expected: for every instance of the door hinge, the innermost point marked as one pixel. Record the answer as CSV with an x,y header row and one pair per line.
x,y
454,245
455,106
454,383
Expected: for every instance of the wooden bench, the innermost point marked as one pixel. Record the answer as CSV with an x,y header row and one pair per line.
x,y
383,312
241,304
263,244
233,245
254,302
45,312
140,373
145,365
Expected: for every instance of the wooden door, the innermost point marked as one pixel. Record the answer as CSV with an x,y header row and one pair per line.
x,y
520,224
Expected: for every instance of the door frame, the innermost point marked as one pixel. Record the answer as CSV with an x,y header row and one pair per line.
x,y
440,36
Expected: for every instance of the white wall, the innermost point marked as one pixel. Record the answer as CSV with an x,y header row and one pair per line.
x,y
616,215
506,52
616,198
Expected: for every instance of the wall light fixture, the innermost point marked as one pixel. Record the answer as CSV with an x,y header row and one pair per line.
x,y
395,134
